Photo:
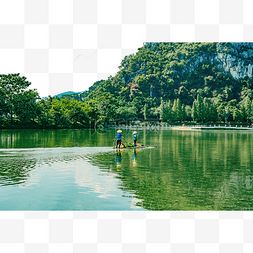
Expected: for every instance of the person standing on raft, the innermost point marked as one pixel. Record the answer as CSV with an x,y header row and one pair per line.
x,y
135,138
118,137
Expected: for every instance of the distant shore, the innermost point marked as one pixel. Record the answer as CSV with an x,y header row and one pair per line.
x,y
142,126
184,127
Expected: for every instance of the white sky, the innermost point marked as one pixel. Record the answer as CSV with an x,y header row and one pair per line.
x,y
42,41
105,62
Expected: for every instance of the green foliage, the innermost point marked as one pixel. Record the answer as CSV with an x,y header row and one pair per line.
x,y
170,82
69,113
126,113
198,110
177,109
146,112
25,107
237,115
22,107
16,104
185,71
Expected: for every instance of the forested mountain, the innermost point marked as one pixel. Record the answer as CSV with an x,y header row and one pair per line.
x,y
218,73
67,93
170,82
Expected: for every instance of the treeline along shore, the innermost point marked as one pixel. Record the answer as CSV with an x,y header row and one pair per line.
x,y
169,83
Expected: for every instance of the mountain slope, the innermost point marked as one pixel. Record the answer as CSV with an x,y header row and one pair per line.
x,y
183,70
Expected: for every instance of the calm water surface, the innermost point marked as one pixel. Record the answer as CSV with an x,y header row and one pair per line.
x,y
79,170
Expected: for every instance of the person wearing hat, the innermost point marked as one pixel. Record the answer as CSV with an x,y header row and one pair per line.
x,y
118,137
135,138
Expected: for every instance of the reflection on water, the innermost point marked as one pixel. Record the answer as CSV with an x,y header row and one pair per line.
x,y
119,153
16,164
15,171
118,159
135,157
61,178
190,170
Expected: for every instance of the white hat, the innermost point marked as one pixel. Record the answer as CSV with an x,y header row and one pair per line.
x,y
134,132
119,131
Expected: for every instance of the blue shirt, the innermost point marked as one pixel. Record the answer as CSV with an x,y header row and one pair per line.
x,y
135,137
118,136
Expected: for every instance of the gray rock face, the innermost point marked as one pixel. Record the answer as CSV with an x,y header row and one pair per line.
x,y
238,66
235,59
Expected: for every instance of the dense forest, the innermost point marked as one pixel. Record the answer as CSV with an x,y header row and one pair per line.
x,y
192,83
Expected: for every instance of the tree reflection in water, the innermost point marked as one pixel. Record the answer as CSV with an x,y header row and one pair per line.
x,y
194,171
190,170
15,170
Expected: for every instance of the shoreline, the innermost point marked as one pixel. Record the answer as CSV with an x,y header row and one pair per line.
x,y
148,127
183,128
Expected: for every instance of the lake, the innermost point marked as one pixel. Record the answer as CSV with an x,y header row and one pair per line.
x,y
79,170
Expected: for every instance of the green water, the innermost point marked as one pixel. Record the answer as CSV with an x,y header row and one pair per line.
x,y
78,170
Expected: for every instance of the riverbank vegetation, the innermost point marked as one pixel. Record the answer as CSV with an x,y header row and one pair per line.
x,y
166,82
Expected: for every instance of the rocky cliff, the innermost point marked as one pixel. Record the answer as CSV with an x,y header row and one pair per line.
x,y
238,61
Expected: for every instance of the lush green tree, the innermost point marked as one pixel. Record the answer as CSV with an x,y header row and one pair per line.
x,y
194,112
183,115
209,111
248,109
198,109
146,112
45,119
206,110
227,113
213,113
2,106
188,113
25,107
169,112
126,113
162,111
178,111
11,86
237,115
165,111
154,113
69,113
